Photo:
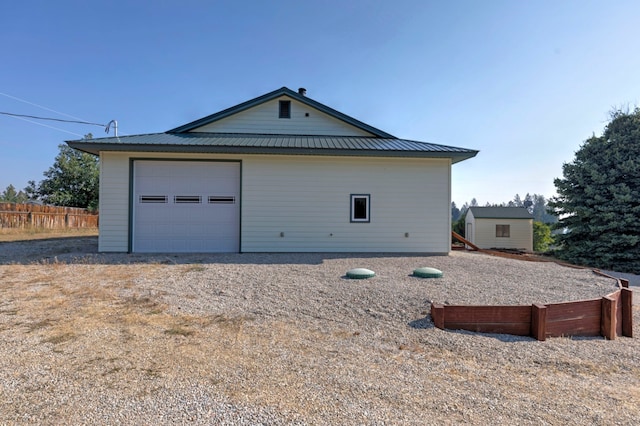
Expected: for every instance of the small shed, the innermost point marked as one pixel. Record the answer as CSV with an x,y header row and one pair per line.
x,y
500,227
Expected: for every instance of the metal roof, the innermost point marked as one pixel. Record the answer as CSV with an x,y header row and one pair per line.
x,y
273,144
500,213
283,91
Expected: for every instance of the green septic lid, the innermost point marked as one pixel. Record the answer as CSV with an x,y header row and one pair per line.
x,y
360,273
427,273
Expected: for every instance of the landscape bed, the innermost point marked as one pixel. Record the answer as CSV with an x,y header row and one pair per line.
x,y
608,316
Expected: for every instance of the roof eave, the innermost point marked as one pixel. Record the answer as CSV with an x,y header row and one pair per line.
x,y
503,217
95,148
89,148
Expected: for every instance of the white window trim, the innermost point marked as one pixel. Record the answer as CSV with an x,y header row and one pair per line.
x,y
354,197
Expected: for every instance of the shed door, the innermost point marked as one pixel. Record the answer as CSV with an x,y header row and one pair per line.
x,y
186,206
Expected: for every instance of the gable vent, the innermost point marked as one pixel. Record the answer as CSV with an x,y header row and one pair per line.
x,y
285,109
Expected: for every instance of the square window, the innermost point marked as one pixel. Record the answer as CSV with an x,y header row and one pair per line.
x,y
503,231
360,207
285,109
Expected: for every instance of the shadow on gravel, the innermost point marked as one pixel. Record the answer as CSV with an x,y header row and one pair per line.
x,y
84,250
47,250
634,280
422,323
506,338
426,323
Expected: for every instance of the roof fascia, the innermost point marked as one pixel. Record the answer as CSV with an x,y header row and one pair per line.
x,y
283,91
95,149
505,214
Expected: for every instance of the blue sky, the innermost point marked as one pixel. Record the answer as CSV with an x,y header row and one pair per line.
x,y
523,82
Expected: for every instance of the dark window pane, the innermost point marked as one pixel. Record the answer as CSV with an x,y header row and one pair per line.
x,y
360,208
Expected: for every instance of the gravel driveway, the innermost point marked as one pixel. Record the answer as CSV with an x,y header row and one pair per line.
x,y
249,339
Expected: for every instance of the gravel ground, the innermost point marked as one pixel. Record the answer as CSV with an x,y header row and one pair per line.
x,y
251,339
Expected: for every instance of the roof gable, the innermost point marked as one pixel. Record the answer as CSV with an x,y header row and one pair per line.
x,y
500,213
237,130
213,122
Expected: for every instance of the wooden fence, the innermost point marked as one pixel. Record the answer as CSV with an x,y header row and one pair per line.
x,y
22,216
609,316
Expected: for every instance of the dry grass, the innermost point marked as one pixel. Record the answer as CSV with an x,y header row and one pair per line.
x,y
12,234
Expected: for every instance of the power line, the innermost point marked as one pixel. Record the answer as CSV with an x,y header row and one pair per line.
x,y
52,119
46,125
39,106
77,120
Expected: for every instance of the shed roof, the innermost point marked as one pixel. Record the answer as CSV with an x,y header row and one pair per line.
x,y
236,143
500,213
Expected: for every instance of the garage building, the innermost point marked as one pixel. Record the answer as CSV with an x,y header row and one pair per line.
x,y
278,173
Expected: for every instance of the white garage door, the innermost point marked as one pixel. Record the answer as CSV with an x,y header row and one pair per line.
x,y
186,206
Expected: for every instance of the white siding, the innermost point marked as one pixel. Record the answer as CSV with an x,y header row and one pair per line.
x,y
264,119
307,199
484,233
114,202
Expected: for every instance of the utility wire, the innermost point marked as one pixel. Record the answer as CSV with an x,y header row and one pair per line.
x,y
39,106
46,125
77,119
52,119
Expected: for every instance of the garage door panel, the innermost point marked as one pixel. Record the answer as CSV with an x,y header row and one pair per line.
x,y
184,206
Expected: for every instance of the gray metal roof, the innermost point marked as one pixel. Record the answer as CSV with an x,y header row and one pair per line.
x,y
273,144
500,213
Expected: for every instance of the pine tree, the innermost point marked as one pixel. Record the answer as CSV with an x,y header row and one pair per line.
x,y
599,198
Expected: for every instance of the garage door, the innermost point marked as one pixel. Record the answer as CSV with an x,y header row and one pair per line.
x,y
186,206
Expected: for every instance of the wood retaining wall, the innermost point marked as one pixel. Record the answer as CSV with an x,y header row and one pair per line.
x,y
608,316
22,216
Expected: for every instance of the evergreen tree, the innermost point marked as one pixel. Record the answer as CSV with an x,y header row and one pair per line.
x,y
9,195
459,225
455,212
599,198
541,211
517,202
